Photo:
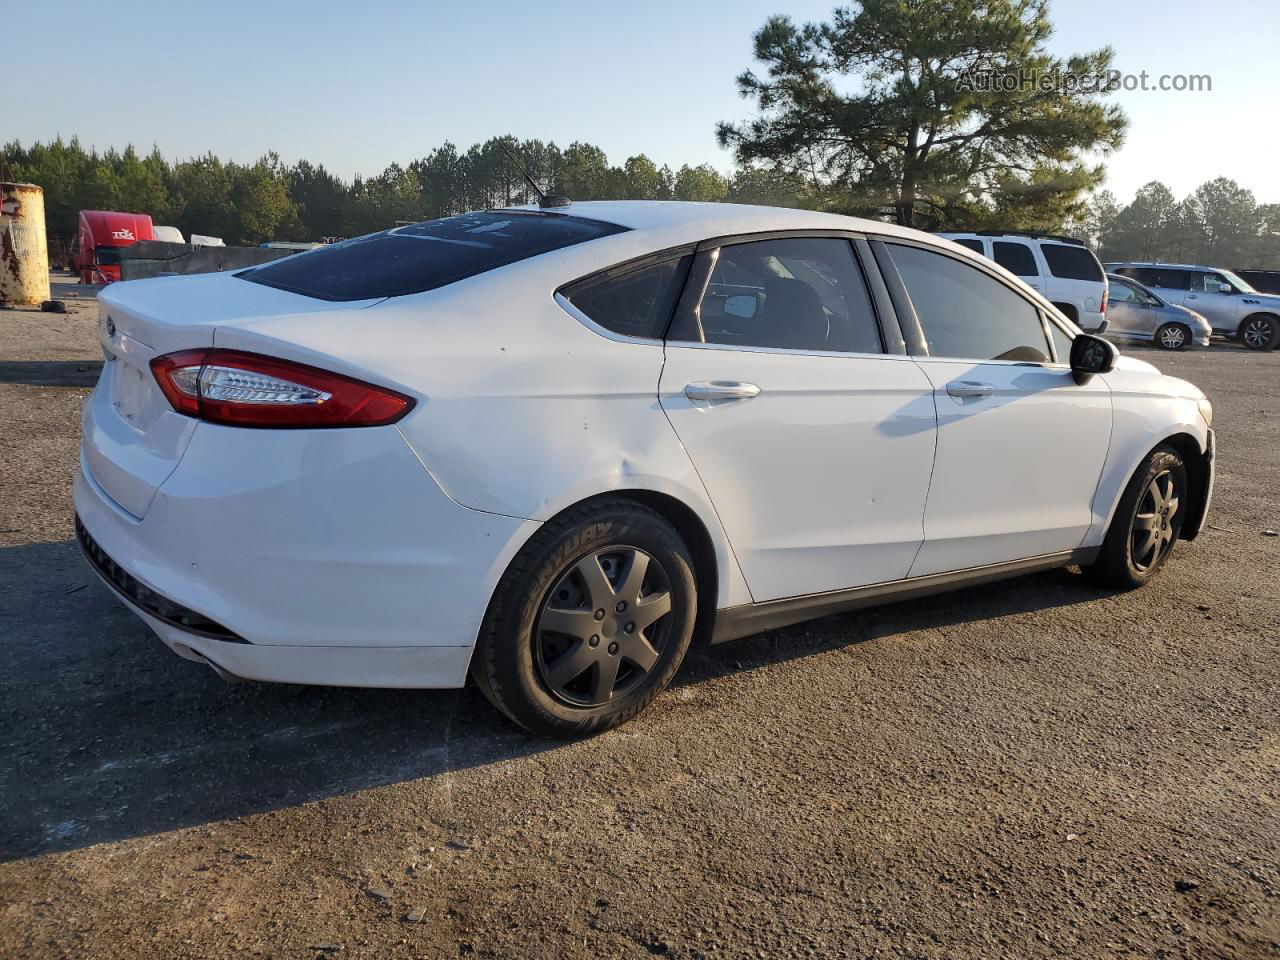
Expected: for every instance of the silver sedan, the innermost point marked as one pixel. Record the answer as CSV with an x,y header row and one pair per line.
x,y
1136,313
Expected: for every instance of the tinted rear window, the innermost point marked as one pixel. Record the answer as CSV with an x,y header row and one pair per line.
x,y
974,245
636,303
1162,277
424,256
1071,263
1017,258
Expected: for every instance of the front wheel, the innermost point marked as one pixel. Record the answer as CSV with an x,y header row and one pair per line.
x,y
1173,336
1147,523
590,622
1259,333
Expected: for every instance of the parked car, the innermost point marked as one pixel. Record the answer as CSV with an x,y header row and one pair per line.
x,y
1264,281
1061,268
552,447
1136,313
1231,306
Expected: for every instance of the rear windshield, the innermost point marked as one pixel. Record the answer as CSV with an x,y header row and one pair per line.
x,y
1071,263
424,256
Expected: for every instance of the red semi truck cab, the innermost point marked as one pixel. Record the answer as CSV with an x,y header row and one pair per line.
x,y
102,234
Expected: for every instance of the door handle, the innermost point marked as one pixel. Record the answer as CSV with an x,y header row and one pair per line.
x,y
1192,296
721,390
969,388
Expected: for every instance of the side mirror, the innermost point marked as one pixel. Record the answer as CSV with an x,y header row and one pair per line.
x,y
1091,355
1226,288
743,306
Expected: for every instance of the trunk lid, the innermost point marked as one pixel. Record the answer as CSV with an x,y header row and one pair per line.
x,y
133,438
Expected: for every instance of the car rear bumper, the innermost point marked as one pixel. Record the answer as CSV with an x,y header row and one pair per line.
x,y
324,557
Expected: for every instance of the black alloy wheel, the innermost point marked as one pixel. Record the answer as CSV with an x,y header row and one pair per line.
x,y
590,621
603,626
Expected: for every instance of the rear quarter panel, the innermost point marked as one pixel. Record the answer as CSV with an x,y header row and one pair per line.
x,y
522,411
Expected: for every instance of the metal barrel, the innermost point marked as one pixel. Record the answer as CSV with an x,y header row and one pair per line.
x,y
24,250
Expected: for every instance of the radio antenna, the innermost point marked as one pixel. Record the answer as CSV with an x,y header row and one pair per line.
x,y
545,200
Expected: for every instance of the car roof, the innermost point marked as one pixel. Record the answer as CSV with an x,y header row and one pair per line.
x,y
705,220
1148,263
1041,238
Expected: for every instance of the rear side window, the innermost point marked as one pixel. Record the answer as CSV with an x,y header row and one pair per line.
x,y
1071,263
793,293
1017,258
974,245
967,314
424,256
1161,277
635,303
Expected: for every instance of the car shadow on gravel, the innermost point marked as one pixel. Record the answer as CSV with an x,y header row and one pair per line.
x,y
108,735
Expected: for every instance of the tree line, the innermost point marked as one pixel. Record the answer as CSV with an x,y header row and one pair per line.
x,y
1218,224
271,200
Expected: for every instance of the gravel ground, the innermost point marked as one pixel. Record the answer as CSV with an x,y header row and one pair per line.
x,y
1028,769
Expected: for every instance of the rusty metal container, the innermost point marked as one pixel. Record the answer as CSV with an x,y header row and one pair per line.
x,y
24,250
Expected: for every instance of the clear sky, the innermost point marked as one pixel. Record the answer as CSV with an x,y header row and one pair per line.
x,y
358,85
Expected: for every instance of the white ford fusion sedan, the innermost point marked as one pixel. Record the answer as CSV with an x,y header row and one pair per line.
x,y
551,447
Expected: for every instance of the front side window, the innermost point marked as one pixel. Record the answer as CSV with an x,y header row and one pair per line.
x,y
1071,262
424,256
801,293
635,303
974,245
1211,283
1017,258
1119,292
967,314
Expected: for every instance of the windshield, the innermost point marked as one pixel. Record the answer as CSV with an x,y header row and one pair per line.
x,y
107,256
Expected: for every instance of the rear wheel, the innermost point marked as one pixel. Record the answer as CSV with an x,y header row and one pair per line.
x,y
1147,523
590,622
1173,336
1260,332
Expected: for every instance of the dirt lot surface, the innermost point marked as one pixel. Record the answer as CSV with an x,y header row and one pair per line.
x,y
1030,769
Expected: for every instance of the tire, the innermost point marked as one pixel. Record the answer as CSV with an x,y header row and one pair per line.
x,y
1259,332
588,571
1173,336
1147,522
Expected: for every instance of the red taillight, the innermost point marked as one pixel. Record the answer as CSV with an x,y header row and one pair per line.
x,y
252,390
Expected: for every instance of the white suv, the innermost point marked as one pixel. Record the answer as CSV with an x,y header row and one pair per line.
x,y
1063,269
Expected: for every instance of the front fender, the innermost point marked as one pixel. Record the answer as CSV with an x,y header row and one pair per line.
x,y
1142,421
